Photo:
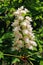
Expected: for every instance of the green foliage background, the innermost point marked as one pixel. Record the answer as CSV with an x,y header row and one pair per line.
x,y
7,7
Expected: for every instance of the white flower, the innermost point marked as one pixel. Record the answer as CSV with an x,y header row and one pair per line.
x,y
16,28
18,35
25,32
28,22
28,18
33,43
30,34
20,18
15,23
15,48
24,24
26,39
22,7
22,30
23,12
32,37
16,13
31,47
27,45
29,28
15,41
26,10
20,43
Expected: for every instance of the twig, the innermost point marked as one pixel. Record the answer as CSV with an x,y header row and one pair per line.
x,y
12,55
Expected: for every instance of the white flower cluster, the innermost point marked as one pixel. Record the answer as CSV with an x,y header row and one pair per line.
x,y
22,30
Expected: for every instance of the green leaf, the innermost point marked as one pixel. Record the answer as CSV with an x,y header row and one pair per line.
x,y
35,24
1,40
14,0
7,35
1,55
15,60
41,62
20,1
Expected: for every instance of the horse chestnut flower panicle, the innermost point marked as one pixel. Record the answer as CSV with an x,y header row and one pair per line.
x,y
22,30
